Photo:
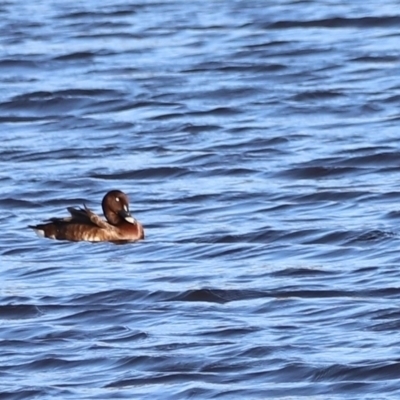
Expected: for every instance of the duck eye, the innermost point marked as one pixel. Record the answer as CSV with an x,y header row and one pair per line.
x,y
117,199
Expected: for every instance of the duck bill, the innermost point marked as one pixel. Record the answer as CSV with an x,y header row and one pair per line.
x,y
126,215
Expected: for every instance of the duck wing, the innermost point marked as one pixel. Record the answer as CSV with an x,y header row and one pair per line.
x,y
78,215
83,216
88,214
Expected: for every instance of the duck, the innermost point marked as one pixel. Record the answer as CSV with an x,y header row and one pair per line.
x,y
84,225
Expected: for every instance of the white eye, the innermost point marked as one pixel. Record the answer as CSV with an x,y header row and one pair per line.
x,y
117,199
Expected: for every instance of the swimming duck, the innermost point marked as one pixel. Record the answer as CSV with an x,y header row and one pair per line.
x,y
83,224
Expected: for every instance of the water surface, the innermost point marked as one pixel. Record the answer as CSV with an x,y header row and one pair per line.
x,y
259,146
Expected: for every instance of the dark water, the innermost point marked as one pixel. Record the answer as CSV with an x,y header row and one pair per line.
x,y
259,144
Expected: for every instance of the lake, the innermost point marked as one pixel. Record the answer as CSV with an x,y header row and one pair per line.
x,y
258,143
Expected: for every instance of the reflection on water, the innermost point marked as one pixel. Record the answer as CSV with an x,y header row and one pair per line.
x,y
258,145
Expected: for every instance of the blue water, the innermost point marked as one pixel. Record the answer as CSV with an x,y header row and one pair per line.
x,y
258,143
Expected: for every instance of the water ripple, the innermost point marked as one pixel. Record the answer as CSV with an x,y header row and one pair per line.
x,y
259,147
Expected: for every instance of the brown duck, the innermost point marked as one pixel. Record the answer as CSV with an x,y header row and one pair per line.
x,y
83,224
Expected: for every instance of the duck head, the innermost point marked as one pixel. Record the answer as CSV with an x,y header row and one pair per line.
x,y
115,206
